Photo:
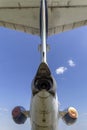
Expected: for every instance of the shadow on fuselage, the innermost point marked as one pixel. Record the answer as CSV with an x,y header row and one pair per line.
x,y
43,80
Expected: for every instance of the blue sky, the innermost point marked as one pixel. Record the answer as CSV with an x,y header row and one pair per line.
x,y
19,60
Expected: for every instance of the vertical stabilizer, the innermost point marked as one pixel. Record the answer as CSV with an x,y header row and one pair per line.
x,y
43,28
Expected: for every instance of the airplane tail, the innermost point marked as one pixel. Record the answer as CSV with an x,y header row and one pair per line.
x,y
45,17
43,28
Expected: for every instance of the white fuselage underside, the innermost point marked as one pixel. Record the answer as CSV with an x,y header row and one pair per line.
x,y
44,111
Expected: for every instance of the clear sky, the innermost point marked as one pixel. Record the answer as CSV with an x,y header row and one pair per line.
x,y
19,60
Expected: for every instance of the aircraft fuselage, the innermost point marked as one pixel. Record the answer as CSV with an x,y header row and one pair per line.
x,y
44,111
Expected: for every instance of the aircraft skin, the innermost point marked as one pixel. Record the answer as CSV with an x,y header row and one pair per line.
x,y
44,103
44,112
23,15
44,109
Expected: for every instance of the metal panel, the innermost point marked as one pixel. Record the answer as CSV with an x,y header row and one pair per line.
x,y
24,15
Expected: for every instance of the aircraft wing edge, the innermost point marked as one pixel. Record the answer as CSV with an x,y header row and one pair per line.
x,y
63,28
24,15
35,31
19,27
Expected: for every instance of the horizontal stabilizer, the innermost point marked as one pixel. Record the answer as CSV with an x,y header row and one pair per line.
x,y
23,15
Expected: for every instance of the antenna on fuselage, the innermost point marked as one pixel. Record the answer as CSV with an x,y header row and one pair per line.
x,y
43,30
